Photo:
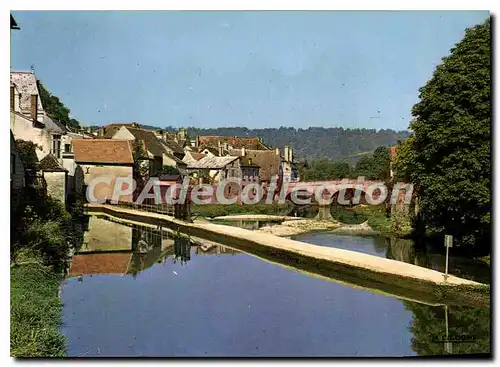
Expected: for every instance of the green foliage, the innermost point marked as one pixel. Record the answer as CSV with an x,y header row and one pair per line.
x,y
448,157
55,108
336,144
429,324
27,153
35,311
211,211
44,228
324,169
374,167
170,170
141,162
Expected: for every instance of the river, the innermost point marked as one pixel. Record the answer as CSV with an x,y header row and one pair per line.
x,y
135,291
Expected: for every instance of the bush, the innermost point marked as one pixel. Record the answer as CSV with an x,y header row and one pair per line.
x,y
44,228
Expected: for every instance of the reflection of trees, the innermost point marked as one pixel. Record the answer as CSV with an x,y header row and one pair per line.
x,y
401,250
380,244
429,324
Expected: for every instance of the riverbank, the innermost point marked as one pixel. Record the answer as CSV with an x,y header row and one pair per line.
x,y
380,274
35,311
298,226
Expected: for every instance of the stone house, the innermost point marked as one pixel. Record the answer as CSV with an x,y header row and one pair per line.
x,y
158,153
110,158
28,120
55,178
289,166
213,169
269,162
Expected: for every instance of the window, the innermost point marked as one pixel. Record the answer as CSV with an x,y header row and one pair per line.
x,y
56,145
67,148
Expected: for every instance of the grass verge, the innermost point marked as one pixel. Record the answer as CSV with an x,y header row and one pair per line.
x,y
211,211
35,312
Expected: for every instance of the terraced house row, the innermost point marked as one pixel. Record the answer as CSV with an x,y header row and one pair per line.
x,y
67,160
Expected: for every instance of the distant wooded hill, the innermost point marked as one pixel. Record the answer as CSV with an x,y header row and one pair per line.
x,y
335,143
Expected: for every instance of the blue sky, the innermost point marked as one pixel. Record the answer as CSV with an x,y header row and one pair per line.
x,y
253,69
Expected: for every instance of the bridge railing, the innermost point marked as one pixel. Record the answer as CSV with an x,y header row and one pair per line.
x,y
167,209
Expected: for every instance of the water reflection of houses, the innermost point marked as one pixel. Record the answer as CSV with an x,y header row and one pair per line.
x,y
115,247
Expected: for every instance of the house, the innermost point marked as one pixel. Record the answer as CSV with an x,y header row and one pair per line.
x,y
289,166
107,131
28,120
159,153
234,142
180,137
213,169
269,162
191,157
55,177
109,158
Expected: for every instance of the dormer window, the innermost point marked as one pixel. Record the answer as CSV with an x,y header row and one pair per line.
x,y
56,146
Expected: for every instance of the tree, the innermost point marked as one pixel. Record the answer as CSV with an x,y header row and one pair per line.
x,y
381,163
55,108
374,167
448,157
27,154
141,163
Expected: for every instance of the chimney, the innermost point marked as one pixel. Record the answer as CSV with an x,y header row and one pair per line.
x,y
197,141
182,134
220,148
12,98
288,153
243,152
34,107
277,151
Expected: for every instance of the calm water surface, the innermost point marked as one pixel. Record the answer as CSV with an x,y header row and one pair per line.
x,y
168,297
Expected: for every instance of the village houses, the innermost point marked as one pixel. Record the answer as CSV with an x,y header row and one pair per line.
x,y
104,158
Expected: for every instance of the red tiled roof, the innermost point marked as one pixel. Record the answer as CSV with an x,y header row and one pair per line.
x,y
100,263
197,156
103,151
234,141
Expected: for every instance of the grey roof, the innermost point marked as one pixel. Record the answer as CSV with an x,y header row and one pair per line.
x,y
25,83
153,144
172,145
210,162
50,164
177,160
54,126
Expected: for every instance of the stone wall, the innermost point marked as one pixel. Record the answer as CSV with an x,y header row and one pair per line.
x,y
56,185
22,128
103,191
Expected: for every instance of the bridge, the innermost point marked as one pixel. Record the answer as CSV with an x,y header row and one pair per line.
x,y
323,194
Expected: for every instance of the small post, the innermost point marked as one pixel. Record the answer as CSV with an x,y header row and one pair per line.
x,y
448,242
